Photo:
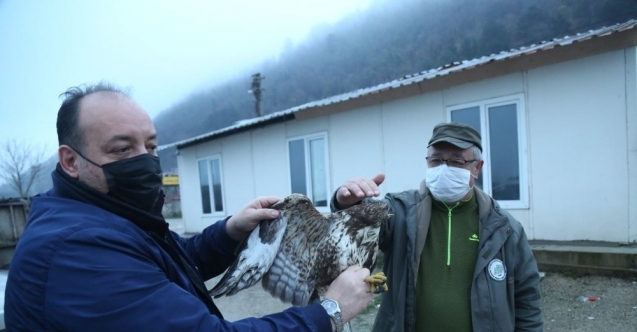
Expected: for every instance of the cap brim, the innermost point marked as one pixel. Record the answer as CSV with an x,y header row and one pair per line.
x,y
459,143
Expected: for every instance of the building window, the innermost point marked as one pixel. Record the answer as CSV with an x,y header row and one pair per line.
x,y
308,168
500,122
210,185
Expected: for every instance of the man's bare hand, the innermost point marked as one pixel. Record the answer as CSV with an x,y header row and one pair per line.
x,y
350,291
244,221
356,189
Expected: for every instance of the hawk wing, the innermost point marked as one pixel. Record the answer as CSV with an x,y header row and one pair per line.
x,y
292,277
352,240
256,257
308,252
317,248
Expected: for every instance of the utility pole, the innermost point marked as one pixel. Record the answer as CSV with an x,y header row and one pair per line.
x,y
256,91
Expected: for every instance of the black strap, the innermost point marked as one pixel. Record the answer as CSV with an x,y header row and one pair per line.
x,y
169,245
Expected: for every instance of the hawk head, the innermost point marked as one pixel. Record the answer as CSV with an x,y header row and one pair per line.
x,y
295,204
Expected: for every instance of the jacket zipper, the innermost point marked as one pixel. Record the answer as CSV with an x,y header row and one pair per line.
x,y
449,232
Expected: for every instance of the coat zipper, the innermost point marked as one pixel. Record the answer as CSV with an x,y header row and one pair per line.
x,y
449,232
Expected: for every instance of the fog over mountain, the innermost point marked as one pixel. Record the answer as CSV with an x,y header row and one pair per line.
x,y
385,42
389,40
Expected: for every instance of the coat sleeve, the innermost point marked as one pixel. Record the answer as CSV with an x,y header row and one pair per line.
x,y
110,281
528,315
212,251
387,227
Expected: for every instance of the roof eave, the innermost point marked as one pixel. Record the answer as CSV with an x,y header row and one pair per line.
x,y
235,130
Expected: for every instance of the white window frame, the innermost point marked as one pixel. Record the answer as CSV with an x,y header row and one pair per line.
x,y
484,105
308,175
211,187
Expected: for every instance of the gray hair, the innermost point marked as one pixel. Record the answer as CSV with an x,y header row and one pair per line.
x,y
477,154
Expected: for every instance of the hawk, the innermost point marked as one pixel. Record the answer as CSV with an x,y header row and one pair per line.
x,y
298,255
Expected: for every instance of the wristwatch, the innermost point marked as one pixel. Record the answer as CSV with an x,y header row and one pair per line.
x,y
334,311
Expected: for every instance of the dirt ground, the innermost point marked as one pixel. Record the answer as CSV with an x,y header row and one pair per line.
x,y
567,304
567,307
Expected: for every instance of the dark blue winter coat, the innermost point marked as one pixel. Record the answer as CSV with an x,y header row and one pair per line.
x,y
78,267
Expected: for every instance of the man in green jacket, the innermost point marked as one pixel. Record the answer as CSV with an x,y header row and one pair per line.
x,y
454,259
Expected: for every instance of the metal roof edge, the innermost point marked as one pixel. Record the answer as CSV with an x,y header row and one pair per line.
x,y
239,126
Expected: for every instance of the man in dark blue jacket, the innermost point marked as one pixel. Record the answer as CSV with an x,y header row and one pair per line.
x,y
97,255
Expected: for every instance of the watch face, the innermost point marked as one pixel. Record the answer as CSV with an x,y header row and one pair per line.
x,y
330,306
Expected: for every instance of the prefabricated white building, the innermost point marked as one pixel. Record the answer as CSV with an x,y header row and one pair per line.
x,y
558,122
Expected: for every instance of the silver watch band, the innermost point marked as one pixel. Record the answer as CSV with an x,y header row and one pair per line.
x,y
338,321
334,311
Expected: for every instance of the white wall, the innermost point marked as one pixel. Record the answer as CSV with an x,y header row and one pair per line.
x,y
578,160
631,139
581,134
407,127
253,164
270,161
238,173
356,144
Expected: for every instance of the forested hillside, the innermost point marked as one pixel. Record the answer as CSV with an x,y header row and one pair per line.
x,y
387,41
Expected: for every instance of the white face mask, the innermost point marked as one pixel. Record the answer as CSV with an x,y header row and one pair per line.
x,y
448,184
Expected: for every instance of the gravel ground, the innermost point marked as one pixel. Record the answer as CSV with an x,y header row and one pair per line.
x,y
566,306
614,307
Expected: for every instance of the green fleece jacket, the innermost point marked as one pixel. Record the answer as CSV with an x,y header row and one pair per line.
x,y
504,292
446,268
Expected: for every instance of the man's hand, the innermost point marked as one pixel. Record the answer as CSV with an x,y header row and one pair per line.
x,y
356,189
350,291
244,221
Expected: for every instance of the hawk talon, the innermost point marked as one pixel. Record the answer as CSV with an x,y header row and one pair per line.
x,y
377,283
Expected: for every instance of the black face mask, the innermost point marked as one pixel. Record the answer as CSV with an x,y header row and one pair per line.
x,y
136,180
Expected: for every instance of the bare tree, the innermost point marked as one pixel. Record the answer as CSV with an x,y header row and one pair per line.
x,y
20,165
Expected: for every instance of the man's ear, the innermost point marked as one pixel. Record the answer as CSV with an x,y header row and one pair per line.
x,y
68,161
479,165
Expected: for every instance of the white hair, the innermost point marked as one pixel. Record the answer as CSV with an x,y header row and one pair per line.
x,y
477,154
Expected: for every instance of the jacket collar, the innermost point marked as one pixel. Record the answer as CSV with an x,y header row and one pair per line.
x,y
420,227
486,204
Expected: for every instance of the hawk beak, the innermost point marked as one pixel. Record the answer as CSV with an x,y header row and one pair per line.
x,y
278,205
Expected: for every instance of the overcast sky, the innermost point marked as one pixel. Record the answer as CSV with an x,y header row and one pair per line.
x,y
162,50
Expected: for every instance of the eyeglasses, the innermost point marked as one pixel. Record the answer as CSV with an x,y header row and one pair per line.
x,y
460,163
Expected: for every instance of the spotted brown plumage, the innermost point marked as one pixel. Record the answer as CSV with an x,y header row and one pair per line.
x,y
303,250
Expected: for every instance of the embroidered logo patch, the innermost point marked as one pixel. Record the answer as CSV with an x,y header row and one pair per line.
x,y
474,237
497,271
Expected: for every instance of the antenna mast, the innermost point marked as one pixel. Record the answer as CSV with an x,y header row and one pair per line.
x,y
256,91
